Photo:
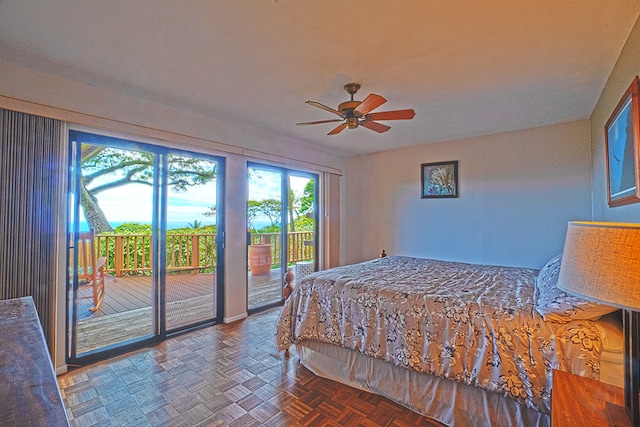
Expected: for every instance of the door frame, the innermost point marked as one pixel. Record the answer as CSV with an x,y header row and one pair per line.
x,y
159,332
285,172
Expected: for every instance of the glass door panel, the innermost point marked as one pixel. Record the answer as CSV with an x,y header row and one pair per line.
x,y
302,225
154,223
282,223
190,288
114,205
265,221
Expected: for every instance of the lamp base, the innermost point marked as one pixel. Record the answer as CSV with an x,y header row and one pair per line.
x,y
618,416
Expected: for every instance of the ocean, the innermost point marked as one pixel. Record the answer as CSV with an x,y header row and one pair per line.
x,y
258,223
170,225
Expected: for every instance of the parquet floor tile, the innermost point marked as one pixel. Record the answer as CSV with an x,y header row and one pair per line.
x,y
224,375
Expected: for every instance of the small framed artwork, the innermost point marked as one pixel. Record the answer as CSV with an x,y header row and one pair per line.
x,y
439,179
621,134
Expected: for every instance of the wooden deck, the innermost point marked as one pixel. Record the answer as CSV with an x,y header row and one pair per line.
x,y
126,311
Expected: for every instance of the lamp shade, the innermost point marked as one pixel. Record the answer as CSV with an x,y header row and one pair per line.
x,y
601,262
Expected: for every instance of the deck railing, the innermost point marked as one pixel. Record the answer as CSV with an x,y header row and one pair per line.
x,y
130,254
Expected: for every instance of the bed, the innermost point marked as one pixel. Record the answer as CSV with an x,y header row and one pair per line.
x,y
461,343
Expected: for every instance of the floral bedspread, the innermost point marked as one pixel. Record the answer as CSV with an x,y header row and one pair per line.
x,y
475,324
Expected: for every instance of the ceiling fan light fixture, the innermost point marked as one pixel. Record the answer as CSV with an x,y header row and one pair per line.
x,y
352,122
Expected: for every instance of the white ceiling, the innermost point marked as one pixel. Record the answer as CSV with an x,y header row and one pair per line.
x,y
467,67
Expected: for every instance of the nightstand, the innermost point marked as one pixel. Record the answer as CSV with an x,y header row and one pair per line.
x,y
579,401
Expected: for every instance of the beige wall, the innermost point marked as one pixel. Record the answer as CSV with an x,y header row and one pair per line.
x,y
517,192
626,69
35,92
102,109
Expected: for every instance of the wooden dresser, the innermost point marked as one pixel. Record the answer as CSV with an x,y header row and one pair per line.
x,y
578,401
29,393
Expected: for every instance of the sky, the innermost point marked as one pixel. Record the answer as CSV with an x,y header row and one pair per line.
x,y
133,202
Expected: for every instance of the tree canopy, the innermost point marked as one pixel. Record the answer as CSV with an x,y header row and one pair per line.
x,y
107,168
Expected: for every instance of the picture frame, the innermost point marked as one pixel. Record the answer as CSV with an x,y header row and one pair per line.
x,y
439,180
622,133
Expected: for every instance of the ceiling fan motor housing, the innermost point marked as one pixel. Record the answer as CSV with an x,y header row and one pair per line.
x,y
347,107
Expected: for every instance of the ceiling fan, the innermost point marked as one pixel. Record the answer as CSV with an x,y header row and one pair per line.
x,y
358,113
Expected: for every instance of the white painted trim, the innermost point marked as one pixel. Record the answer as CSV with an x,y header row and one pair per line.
x,y
235,318
175,139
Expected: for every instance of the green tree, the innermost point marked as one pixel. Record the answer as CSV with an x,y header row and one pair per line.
x,y
211,212
272,209
105,168
253,210
293,207
308,197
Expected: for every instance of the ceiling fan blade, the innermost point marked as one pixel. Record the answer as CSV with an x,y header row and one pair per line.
x,y
319,122
392,115
339,129
323,107
378,127
370,103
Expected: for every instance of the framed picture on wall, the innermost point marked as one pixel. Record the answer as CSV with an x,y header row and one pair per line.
x,y
439,179
621,134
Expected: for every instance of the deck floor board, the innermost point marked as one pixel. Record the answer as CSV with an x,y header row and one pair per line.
x,y
125,312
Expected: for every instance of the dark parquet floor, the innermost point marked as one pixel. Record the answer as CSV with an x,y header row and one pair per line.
x,y
225,375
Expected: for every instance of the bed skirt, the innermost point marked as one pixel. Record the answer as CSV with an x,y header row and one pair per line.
x,y
448,402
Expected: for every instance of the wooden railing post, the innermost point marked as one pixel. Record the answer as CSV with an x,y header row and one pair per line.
x,y
119,255
195,252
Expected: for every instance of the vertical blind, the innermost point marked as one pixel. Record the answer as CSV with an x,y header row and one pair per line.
x,y
31,162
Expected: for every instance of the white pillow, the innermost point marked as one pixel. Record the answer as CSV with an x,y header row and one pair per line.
x,y
556,305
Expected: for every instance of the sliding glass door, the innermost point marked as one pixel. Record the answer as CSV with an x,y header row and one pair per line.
x,y
190,242
282,231
144,243
265,221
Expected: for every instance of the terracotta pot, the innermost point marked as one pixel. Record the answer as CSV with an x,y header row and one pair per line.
x,y
260,259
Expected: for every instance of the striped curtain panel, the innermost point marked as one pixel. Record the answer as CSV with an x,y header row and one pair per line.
x,y
31,162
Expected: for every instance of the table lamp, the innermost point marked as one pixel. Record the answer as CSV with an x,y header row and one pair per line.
x,y
601,262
